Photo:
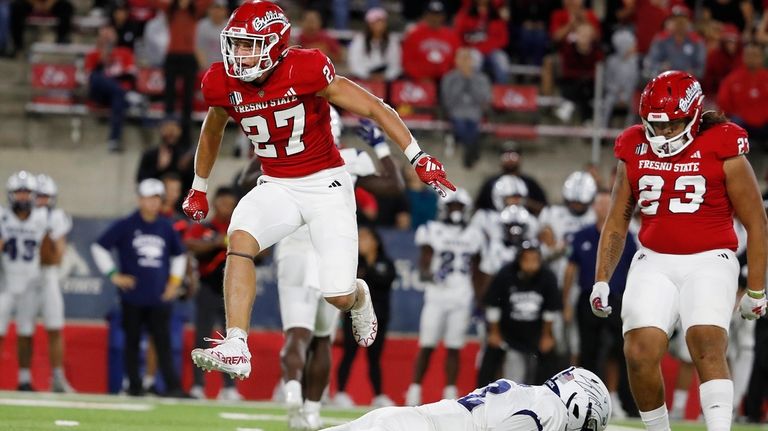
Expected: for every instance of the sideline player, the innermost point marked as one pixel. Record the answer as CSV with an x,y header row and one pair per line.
x,y
574,399
687,171
279,95
23,229
44,298
450,251
309,320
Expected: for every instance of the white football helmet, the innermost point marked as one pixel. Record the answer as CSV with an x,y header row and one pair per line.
x,y
518,225
336,127
460,196
47,187
508,186
585,396
580,187
21,181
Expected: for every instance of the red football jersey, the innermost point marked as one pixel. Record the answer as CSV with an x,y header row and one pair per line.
x,y
289,126
683,200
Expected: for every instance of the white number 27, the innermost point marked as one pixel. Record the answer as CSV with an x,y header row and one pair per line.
x,y
257,130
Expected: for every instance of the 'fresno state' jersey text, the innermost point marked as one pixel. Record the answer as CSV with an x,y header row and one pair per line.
x,y
683,199
288,124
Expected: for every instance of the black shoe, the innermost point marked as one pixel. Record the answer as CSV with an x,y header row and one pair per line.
x,y
25,387
136,392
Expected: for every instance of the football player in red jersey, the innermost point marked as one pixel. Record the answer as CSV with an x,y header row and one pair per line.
x,y
280,97
686,170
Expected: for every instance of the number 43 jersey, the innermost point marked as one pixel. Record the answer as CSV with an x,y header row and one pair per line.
x,y
683,199
21,247
289,126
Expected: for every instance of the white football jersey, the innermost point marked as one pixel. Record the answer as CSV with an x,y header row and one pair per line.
x,y
502,406
453,248
60,223
564,225
21,246
498,254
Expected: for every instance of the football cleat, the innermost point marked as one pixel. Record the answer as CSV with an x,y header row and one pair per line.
x,y
413,395
364,323
293,403
230,356
312,421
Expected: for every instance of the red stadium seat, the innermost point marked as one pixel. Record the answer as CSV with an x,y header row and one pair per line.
x,y
377,88
516,98
53,84
418,94
150,81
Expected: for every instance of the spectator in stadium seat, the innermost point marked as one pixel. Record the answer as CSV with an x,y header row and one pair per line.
x,y
62,10
168,156
5,29
208,35
430,46
740,13
375,54
180,61
111,74
521,304
742,95
529,23
148,275
579,56
562,27
466,94
208,242
678,48
511,159
341,11
482,24
154,42
378,270
313,35
596,335
128,30
623,68
647,17
723,59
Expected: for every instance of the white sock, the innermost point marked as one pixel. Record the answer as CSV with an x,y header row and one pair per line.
x,y
58,373
680,400
24,376
656,420
615,400
717,404
312,406
237,333
361,299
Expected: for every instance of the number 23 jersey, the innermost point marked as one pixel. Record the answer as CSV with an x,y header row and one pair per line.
x,y
683,199
288,124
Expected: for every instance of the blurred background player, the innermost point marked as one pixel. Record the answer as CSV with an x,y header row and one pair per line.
x,y
308,320
450,251
574,399
304,182
23,228
45,298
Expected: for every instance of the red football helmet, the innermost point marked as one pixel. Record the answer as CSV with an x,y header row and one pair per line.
x,y
673,95
254,40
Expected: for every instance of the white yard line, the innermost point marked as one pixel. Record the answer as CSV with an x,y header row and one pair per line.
x,y
267,417
248,429
63,423
75,405
620,428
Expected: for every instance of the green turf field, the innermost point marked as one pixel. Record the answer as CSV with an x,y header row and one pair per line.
x,y
26,411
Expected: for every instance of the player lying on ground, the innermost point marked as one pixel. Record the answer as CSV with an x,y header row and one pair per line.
x,y
573,400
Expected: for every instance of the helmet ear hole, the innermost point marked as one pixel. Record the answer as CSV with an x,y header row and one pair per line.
x,y
576,411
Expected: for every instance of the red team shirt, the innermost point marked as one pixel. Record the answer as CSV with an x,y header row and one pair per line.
x,y
289,126
683,199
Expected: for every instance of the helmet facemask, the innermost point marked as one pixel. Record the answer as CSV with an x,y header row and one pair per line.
x,y
668,147
262,45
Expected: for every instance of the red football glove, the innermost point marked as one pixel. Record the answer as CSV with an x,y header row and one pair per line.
x,y
430,171
195,205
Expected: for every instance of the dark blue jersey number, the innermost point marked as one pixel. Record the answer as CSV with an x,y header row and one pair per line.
x,y
27,253
475,399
